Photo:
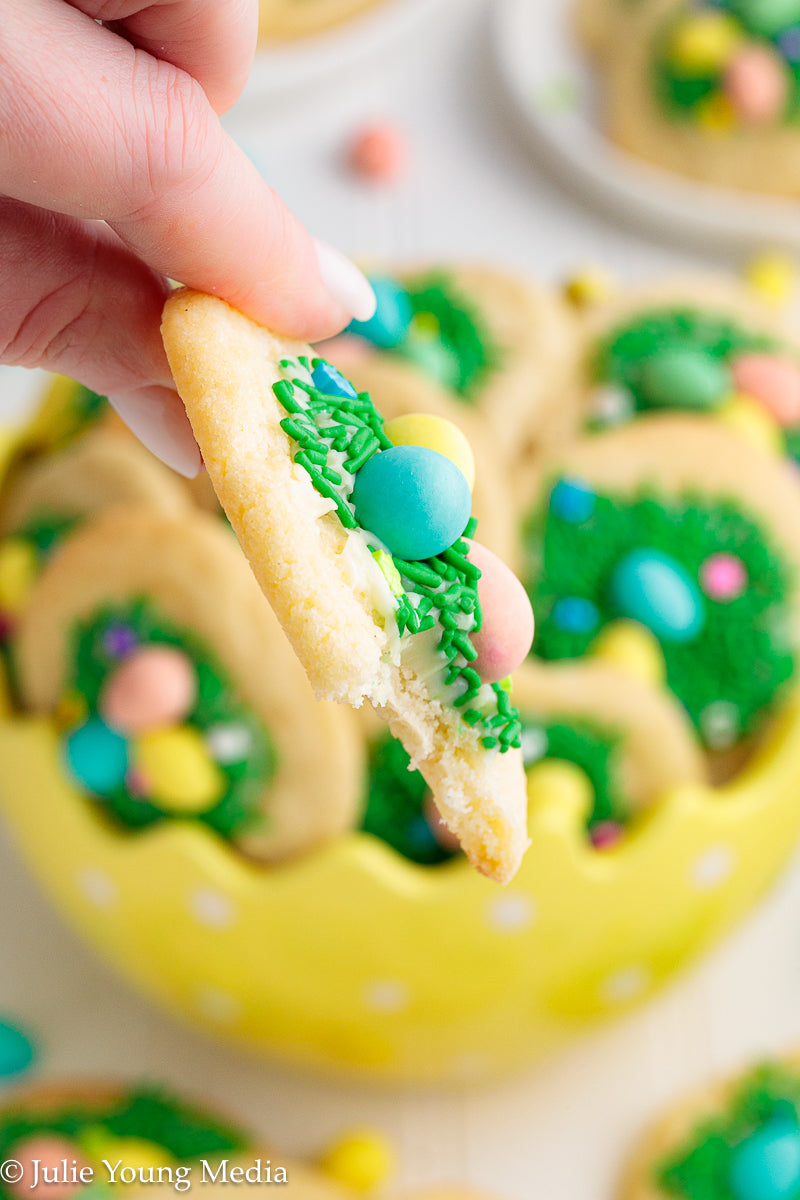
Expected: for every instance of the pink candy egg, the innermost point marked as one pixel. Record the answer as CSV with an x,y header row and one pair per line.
x,y
506,635
379,153
153,687
774,381
50,1150
756,84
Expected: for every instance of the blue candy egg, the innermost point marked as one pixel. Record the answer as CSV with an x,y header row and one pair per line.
x,y
389,325
97,757
414,499
331,382
572,500
16,1051
574,614
766,1165
654,589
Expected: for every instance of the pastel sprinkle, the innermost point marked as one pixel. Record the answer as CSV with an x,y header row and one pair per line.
x,y
723,577
574,614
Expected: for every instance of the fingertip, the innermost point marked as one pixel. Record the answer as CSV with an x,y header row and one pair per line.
x,y
343,280
156,416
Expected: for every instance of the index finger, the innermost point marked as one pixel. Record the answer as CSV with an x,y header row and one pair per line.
x,y
212,40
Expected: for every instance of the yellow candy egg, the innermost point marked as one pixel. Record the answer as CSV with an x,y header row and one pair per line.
x,y
362,1160
563,786
632,649
716,114
18,571
705,43
752,420
131,1153
435,433
773,277
589,286
177,769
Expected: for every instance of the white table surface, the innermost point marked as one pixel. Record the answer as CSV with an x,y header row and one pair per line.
x,y
560,1132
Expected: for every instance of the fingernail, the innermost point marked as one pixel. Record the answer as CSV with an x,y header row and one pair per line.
x,y
158,419
345,282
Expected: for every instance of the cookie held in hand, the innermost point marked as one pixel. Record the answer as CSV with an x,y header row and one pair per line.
x,y
390,615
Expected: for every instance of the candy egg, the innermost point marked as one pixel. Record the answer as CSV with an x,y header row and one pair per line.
x,y
153,687
572,500
18,571
16,1051
389,324
766,1165
704,43
656,590
424,429
97,757
749,418
769,16
506,634
631,648
180,772
48,1150
414,499
379,153
773,380
681,377
756,84
361,1160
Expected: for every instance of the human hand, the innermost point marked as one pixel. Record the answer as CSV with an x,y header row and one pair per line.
x,y
116,174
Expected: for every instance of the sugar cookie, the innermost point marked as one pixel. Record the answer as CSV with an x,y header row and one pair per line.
x,y
493,343
177,693
708,90
739,1137
676,523
287,443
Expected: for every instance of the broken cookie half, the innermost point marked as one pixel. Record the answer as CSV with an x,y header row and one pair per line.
x,y
363,548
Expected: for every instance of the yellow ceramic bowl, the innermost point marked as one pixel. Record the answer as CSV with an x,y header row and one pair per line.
x,y
356,959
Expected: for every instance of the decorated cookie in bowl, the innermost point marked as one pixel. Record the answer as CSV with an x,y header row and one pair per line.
x,y
285,20
738,1138
709,89
677,524
490,342
699,345
176,694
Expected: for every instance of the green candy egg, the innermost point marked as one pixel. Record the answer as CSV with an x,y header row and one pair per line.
x,y
768,17
684,378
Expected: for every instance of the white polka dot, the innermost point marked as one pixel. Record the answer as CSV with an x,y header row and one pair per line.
x,y
712,867
510,914
386,995
98,888
219,1006
624,985
211,908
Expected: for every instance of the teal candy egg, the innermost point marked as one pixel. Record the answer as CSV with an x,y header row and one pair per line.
x,y
96,756
766,1165
414,499
654,589
680,377
389,324
16,1051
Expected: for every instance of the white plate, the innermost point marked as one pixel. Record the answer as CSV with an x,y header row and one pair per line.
x,y
283,69
551,81
20,391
